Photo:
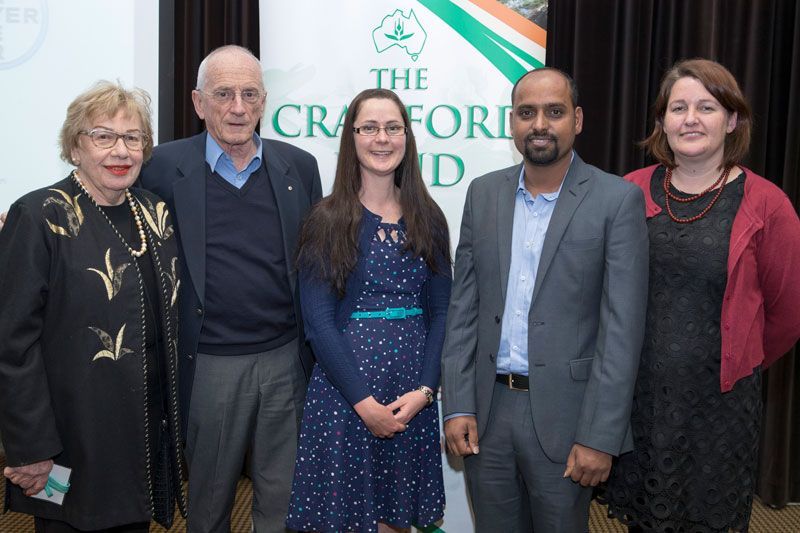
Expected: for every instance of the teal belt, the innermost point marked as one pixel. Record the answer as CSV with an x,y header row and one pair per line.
x,y
390,313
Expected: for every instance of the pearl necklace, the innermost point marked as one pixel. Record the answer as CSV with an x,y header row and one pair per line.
x,y
134,209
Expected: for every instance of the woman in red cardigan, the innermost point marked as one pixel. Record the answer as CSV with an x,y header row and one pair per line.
x,y
724,291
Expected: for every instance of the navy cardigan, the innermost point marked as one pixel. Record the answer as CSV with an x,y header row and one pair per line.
x,y
326,316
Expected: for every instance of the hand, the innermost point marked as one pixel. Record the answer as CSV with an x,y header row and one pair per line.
x,y
31,478
378,418
408,405
461,434
587,466
3,216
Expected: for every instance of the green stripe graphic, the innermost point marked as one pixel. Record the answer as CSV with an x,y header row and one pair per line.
x,y
500,52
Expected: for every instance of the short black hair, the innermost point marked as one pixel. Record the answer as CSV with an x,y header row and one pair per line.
x,y
573,87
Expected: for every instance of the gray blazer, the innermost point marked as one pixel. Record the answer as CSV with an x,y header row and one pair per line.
x,y
587,315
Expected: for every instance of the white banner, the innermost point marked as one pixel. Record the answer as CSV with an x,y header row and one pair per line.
x,y
49,53
452,63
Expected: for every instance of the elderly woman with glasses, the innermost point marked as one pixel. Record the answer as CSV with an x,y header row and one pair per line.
x,y
88,332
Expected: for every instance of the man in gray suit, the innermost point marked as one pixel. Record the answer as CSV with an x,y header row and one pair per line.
x,y
546,322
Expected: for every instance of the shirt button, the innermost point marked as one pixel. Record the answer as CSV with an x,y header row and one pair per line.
x,y
522,278
515,348
536,214
727,327
519,313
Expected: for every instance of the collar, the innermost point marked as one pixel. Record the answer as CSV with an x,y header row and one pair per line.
x,y
549,196
214,152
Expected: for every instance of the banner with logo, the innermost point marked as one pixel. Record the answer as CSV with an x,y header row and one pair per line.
x,y
453,64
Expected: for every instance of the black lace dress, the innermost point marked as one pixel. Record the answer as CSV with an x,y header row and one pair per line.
x,y
693,466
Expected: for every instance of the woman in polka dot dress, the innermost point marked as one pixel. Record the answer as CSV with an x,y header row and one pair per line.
x,y
374,271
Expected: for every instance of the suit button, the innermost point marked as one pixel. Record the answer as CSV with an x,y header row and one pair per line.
x,y
497,319
491,357
199,311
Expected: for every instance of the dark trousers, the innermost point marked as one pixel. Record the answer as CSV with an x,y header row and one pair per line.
x,y
45,525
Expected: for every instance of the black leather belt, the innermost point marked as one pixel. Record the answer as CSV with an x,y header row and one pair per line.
x,y
513,381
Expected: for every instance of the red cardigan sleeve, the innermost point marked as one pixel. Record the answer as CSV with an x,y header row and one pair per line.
x,y
779,277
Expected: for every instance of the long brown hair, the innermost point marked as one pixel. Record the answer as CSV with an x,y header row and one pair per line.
x,y
722,85
329,238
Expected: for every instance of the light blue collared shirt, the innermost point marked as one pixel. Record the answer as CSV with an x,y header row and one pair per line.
x,y
531,219
222,164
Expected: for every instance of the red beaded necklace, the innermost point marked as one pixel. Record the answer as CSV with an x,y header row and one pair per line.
x,y
721,181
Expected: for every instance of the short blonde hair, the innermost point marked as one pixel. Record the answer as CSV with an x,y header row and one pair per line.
x,y
105,99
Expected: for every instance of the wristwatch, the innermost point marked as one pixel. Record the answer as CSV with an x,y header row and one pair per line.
x,y
427,391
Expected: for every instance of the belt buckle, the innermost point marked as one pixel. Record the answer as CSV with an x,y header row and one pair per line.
x,y
395,313
511,383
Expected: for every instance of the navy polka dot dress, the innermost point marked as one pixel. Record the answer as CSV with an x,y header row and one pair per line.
x,y
345,478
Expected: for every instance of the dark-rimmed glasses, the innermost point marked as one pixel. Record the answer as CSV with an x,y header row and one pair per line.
x,y
392,130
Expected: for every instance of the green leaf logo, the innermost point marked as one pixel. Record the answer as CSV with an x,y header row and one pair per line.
x,y
402,31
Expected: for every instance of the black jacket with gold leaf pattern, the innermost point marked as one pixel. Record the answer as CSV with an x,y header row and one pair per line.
x,y
73,371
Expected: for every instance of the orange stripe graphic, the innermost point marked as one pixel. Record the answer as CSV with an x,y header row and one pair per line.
x,y
514,19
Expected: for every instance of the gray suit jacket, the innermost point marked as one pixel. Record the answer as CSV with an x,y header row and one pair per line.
x,y
586,320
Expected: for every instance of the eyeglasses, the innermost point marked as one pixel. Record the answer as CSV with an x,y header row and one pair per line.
x,y
226,96
103,138
392,130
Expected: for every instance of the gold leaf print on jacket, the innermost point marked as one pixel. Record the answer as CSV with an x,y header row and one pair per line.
x,y
156,217
173,278
71,208
113,350
112,277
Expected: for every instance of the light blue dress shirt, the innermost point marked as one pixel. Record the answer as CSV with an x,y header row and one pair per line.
x,y
222,164
531,219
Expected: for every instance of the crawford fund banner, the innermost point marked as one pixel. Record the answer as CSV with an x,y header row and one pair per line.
x,y
452,62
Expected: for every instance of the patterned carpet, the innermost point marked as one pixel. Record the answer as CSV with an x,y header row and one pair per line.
x,y
764,519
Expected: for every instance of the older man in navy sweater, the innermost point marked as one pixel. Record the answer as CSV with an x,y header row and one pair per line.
x,y
238,201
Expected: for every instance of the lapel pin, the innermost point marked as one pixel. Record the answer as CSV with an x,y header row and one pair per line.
x,y
290,187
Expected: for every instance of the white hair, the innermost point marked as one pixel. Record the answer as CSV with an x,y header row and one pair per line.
x,y
202,71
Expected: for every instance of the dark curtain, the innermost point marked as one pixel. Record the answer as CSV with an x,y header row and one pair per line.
x,y
190,29
617,50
